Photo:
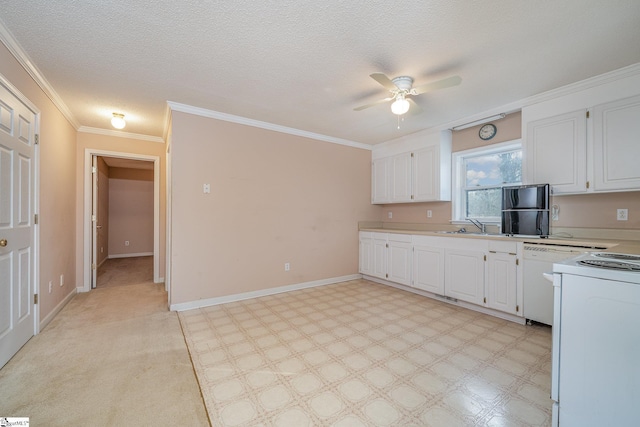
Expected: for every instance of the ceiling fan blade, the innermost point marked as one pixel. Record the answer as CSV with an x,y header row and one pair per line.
x,y
362,107
440,84
384,80
415,108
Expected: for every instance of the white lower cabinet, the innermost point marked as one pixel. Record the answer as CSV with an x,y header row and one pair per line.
x,y
365,265
399,250
464,272
428,264
387,256
501,289
477,271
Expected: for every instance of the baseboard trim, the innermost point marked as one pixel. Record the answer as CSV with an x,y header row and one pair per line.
x,y
261,293
130,255
44,322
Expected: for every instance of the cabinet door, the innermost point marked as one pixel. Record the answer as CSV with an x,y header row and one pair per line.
x,y
380,180
379,255
426,174
464,275
400,182
399,261
556,152
616,126
502,282
366,254
428,268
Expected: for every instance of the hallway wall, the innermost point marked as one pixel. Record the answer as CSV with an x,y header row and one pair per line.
x,y
56,205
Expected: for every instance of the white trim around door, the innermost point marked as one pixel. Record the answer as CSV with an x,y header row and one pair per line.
x,y
86,218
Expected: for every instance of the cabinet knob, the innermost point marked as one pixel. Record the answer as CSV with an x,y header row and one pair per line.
x,y
3,242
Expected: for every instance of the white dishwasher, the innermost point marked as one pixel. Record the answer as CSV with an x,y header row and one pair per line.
x,y
538,291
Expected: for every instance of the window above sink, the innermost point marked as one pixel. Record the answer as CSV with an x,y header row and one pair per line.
x,y
478,177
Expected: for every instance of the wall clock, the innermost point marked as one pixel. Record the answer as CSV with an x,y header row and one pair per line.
x,y
487,131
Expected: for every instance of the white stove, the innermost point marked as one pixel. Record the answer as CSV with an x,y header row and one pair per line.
x,y
596,340
603,265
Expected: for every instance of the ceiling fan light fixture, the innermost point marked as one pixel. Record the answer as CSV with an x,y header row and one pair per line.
x,y
400,106
117,121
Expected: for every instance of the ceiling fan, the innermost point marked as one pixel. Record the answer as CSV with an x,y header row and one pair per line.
x,y
402,87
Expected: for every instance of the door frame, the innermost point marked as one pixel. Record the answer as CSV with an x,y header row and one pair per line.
x,y
87,227
35,198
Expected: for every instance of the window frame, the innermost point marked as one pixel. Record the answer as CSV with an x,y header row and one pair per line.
x,y
458,177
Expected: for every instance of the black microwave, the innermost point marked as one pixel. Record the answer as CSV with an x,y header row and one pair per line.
x,y
526,197
525,210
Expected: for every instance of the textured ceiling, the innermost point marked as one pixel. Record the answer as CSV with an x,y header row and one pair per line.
x,y
305,64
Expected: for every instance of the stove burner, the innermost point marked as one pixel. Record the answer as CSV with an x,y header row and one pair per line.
x,y
611,265
620,257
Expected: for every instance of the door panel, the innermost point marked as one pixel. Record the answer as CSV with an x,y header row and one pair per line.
x,y
17,230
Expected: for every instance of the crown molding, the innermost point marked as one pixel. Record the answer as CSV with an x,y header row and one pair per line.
x,y
175,106
23,59
591,82
120,134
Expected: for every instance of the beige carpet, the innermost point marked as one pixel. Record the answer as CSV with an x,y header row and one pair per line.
x,y
125,271
113,356
362,354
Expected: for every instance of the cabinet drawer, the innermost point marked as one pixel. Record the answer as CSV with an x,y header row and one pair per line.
x,y
501,246
404,238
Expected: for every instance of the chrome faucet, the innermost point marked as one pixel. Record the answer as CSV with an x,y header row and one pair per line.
x,y
481,226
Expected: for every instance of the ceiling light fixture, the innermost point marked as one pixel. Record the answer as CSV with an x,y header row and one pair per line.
x,y
400,105
118,121
479,122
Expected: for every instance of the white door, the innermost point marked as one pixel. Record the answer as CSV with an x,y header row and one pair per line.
x,y
502,286
616,126
17,230
399,259
94,222
556,152
464,275
380,180
428,270
401,178
366,253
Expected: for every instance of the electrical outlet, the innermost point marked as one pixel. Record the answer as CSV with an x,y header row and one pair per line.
x,y
50,284
206,188
429,213
62,280
287,266
623,214
390,214
126,243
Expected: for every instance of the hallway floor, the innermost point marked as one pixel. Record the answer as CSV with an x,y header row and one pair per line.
x,y
112,356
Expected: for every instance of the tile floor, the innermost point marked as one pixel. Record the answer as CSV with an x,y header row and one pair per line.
x,y
362,354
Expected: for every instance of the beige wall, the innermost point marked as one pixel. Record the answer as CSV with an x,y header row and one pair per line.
x,y
121,145
130,211
275,198
57,223
585,211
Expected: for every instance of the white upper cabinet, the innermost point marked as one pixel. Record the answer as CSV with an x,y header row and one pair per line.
x,y
401,178
556,152
432,173
420,175
586,140
380,181
616,138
